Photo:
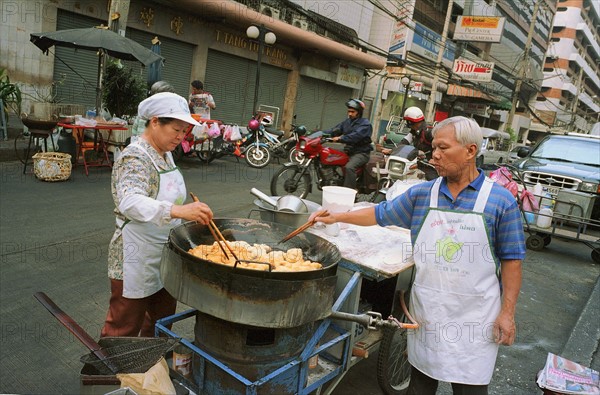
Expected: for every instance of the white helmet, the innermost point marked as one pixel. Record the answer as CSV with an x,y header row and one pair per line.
x,y
267,120
414,115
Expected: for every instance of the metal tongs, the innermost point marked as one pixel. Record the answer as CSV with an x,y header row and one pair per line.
x,y
217,234
302,228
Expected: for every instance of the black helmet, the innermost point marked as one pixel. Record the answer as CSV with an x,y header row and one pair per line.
x,y
301,130
356,104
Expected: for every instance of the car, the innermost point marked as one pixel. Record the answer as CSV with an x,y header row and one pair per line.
x,y
491,151
513,155
569,163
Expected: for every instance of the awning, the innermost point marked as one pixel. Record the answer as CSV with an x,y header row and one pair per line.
x,y
465,91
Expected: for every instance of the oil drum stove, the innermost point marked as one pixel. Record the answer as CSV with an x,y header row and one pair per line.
x,y
254,330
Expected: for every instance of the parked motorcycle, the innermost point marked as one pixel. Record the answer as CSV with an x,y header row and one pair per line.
x,y
323,164
401,171
271,138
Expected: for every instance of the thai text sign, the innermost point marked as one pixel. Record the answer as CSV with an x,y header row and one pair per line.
x,y
473,71
479,28
349,76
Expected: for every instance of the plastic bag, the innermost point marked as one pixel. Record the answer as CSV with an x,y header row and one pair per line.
x,y
529,202
200,132
185,145
227,133
235,133
512,187
214,130
501,176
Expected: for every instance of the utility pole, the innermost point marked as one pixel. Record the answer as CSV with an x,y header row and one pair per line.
x,y
438,64
575,101
522,68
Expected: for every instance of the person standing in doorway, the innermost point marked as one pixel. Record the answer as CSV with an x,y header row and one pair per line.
x,y
201,102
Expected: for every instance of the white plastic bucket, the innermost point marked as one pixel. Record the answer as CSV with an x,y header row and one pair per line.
x,y
338,199
544,219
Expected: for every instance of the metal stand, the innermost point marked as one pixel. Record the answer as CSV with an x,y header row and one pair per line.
x,y
333,350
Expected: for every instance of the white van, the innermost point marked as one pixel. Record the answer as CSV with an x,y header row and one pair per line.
x,y
491,152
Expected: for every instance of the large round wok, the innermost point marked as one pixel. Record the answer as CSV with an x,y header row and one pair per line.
x,y
245,296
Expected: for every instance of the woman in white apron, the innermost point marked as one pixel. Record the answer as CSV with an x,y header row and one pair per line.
x,y
149,194
466,236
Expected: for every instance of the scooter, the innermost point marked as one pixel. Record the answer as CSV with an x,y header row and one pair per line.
x,y
323,164
401,171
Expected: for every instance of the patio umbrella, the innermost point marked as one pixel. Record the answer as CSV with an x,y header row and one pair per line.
x,y
105,41
155,69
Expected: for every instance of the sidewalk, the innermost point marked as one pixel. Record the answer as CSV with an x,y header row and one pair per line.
x,y
54,238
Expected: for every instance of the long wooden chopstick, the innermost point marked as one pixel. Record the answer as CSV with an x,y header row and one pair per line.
x,y
212,227
217,234
302,228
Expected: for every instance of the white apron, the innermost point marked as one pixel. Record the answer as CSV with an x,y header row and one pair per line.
x,y
455,295
143,241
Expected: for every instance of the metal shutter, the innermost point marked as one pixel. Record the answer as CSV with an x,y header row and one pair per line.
x,y
178,60
231,80
320,104
76,68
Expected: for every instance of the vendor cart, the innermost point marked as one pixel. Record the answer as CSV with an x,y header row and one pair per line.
x,y
563,213
330,346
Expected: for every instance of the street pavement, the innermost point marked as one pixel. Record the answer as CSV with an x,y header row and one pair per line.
x,y
54,238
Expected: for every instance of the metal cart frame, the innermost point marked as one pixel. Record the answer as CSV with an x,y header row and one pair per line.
x,y
572,225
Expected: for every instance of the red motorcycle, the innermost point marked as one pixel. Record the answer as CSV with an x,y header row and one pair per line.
x,y
325,164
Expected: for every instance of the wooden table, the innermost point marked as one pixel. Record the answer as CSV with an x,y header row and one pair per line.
x,y
99,144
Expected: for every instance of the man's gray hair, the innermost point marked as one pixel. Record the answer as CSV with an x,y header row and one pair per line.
x,y
467,130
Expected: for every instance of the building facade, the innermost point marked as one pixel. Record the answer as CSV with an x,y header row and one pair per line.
x,y
315,65
569,99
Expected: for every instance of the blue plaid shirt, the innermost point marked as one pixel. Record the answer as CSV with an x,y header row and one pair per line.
x,y
502,214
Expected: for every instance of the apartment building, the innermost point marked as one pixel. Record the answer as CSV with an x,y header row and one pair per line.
x,y
569,99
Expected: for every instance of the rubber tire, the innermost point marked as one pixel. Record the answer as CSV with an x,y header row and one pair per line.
x,y
257,157
205,155
535,242
596,256
296,156
285,173
393,369
547,240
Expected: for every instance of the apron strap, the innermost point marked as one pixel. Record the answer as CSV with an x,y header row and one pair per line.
x,y
435,191
483,195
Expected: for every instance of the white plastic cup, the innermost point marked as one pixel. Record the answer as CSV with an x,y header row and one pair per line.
x,y
338,199
332,229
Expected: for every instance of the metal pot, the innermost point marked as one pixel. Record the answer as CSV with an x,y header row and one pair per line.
x,y
245,296
267,213
288,203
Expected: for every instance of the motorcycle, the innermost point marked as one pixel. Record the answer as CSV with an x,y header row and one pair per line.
x,y
401,171
268,137
322,163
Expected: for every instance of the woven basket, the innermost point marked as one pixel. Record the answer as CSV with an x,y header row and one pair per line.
x,y
52,166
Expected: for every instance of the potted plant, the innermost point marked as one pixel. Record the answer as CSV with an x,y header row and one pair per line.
x,y
10,95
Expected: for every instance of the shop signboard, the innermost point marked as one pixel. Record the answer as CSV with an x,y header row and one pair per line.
x,y
349,76
479,71
427,43
400,33
479,28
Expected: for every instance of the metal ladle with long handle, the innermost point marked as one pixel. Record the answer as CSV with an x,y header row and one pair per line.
x,y
287,203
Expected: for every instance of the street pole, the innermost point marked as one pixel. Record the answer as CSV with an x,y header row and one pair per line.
x,y
575,101
261,45
522,68
406,90
438,64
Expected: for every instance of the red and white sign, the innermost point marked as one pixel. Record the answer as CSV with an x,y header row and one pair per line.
x,y
473,71
417,87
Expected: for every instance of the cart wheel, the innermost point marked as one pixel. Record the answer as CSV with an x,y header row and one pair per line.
x,y
393,369
535,242
596,256
547,240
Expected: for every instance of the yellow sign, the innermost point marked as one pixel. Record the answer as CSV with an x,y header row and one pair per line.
x,y
480,21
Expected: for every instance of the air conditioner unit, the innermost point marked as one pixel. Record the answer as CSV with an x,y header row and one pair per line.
x,y
300,23
269,11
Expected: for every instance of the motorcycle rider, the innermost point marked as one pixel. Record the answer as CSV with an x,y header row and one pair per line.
x,y
355,131
420,137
